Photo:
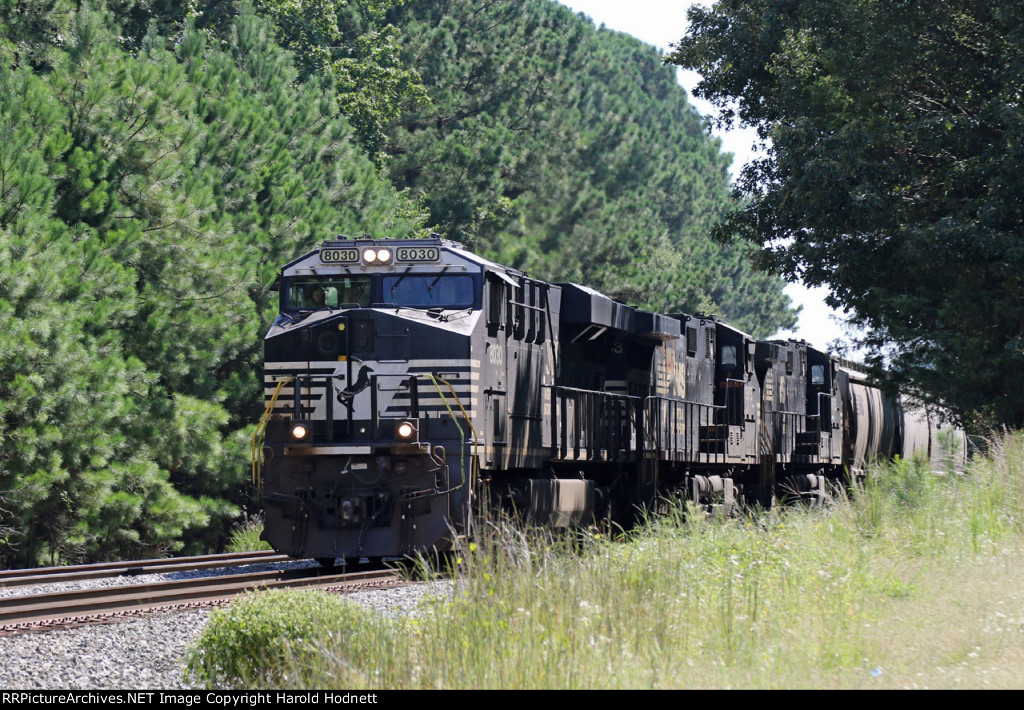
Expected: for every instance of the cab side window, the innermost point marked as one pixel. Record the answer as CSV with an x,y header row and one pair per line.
x,y
495,303
817,374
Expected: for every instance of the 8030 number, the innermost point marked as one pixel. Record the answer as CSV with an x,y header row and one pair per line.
x,y
407,254
339,256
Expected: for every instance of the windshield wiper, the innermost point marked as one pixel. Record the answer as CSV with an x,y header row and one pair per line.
x,y
399,279
434,282
457,314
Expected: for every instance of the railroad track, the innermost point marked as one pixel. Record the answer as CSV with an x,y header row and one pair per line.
x,y
53,575
45,610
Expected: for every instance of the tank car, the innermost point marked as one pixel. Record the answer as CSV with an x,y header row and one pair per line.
x,y
871,417
880,424
929,432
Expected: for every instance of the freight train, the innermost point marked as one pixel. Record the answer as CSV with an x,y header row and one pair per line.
x,y
412,386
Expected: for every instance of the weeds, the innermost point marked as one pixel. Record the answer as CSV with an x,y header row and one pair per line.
x,y
913,581
245,536
281,638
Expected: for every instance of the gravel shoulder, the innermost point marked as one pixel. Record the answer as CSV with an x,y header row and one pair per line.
x,y
143,653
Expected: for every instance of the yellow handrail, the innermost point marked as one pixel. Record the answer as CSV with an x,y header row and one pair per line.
x,y
261,431
476,461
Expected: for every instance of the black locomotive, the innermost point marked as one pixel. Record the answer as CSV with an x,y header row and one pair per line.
x,y
411,385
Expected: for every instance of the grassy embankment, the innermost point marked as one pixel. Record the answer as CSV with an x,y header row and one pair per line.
x,y
916,582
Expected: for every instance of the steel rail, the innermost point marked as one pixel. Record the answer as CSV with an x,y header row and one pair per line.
x,y
132,568
24,611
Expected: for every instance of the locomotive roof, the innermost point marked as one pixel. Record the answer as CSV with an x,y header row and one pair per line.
x,y
581,304
728,326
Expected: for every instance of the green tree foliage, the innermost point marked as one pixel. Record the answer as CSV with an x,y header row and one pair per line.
x,y
351,41
571,152
893,176
32,31
146,202
159,161
347,39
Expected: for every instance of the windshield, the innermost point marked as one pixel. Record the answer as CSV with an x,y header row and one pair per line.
x,y
327,292
429,291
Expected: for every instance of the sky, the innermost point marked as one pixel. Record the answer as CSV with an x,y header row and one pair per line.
x,y
661,23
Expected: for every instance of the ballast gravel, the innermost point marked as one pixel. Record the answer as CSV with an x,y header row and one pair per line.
x,y
138,654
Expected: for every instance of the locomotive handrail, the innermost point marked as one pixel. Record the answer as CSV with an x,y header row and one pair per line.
x,y
410,384
585,412
261,430
786,437
458,401
784,428
697,416
596,392
542,309
308,381
824,412
734,392
673,398
784,411
462,454
821,411
413,387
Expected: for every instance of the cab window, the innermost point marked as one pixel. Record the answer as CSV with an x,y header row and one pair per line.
x,y
728,356
428,290
817,374
305,293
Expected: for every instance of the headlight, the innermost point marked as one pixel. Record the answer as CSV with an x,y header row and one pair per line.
x,y
299,432
405,431
377,256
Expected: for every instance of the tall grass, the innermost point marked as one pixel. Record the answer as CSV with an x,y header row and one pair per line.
x,y
245,535
916,580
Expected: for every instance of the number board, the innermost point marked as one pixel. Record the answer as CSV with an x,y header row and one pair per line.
x,y
406,255
339,256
